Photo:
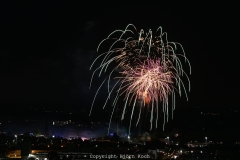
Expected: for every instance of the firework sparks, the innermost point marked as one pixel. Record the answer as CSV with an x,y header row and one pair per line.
x,y
150,81
149,67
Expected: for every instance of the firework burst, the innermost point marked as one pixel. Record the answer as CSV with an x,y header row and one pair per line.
x,y
149,69
150,81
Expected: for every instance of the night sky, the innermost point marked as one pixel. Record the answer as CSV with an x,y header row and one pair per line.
x,y
47,48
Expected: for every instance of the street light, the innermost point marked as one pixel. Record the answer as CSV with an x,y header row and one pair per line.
x,y
206,139
168,140
16,138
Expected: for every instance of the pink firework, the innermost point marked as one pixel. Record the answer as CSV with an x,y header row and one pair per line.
x,y
152,81
150,70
